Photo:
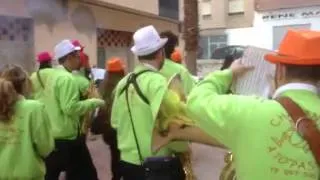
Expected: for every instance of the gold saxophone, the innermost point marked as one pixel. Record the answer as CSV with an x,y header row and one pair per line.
x,y
228,172
185,158
92,92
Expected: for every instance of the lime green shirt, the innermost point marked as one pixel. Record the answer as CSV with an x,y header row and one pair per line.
x,y
62,100
170,68
154,86
24,142
258,131
38,90
82,81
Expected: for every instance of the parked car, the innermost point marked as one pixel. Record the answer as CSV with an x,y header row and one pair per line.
x,y
236,51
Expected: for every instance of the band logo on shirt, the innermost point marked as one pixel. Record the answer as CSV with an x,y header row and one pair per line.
x,y
283,164
10,135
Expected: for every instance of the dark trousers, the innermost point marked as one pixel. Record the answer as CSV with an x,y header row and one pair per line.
x,y
172,171
73,157
132,171
110,138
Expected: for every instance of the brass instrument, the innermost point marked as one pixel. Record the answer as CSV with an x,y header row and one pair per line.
x,y
187,165
228,172
92,92
185,158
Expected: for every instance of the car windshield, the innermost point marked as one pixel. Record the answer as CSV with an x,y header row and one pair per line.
x,y
221,53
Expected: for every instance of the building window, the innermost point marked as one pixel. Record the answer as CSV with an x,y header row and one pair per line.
x,y
17,35
208,44
206,10
206,17
236,7
169,9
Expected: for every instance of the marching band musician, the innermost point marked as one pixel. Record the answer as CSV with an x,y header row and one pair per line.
x,y
39,77
82,75
115,71
25,135
137,100
62,101
172,65
87,90
274,138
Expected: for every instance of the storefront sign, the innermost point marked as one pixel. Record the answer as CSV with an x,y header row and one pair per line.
x,y
282,15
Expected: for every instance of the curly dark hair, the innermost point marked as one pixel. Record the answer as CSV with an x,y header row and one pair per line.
x,y
173,41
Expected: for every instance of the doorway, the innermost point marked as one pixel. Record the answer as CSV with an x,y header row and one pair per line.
x,y
112,43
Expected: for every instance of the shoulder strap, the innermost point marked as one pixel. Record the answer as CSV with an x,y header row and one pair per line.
x,y
40,79
132,79
306,127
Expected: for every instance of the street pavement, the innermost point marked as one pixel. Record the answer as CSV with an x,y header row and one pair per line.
x,y
207,161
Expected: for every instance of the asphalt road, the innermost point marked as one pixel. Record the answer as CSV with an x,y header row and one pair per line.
x,y
207,161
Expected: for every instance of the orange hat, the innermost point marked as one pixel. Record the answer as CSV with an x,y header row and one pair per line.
x,y
299,47
114,64
176,56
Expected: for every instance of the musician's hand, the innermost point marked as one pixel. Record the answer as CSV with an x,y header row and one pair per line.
x,y
98,102
239,69
159,141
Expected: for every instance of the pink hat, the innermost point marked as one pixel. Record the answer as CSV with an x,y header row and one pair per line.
x,y
44,57
77,43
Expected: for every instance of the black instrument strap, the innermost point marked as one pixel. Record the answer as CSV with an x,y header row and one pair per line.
x,y
40,79
132,80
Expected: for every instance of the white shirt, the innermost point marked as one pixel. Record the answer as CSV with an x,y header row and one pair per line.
x,y
295,86
149,66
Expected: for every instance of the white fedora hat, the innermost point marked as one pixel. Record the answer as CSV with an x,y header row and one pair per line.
x,y
63,48
147,41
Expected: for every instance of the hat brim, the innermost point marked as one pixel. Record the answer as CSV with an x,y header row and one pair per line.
x,y
277,58
76,48
44,60
150,50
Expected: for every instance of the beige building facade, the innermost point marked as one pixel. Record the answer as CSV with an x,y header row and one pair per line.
x,y
103,27
260,23
216,17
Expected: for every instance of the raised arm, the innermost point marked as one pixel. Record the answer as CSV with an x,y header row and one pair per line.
x,y
69,98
